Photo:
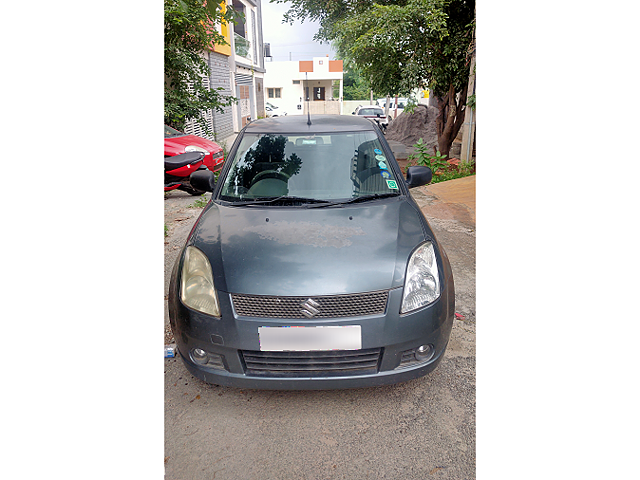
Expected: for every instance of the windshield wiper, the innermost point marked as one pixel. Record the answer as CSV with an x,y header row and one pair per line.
x,y
363,198
283,198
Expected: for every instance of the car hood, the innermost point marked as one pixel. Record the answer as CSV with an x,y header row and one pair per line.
x,y
382,118
176,145
309,251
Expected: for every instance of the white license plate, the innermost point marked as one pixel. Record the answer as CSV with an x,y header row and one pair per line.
x,y
307,339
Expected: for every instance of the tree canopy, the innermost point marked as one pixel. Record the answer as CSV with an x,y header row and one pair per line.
x,y
189,31
400,45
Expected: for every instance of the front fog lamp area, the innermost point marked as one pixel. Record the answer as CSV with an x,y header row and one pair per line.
x,y
196,286
212,360
415,356
422,282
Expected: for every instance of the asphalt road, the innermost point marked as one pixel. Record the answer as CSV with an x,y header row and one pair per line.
x,y
420,429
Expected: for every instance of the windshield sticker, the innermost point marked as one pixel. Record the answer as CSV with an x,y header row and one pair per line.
x,y
383,165
380,158
386,175
392,184
377,151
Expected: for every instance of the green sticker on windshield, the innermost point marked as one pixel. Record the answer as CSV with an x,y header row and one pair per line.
x,y
392,184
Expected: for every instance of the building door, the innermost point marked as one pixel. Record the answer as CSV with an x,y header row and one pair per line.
x,y
245,104
245,95
318,94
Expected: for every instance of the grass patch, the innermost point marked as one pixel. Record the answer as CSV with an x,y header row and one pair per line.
x,y
442,169
454,171
201,202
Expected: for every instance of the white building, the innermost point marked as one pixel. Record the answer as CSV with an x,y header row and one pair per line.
x,y
293,85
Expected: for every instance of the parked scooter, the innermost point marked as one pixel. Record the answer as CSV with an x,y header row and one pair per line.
x,y
178,170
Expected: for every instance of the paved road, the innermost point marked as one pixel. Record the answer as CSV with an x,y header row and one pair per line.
x,y
420,429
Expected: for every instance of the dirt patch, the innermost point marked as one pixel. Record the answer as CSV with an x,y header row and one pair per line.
x,y
408,128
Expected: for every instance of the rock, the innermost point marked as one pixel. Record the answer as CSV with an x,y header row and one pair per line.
x,y
409,128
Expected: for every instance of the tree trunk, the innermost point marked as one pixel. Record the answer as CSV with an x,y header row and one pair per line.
x,y
450,118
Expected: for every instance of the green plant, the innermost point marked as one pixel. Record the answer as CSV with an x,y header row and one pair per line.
x,y
411,105
462,170
166,230
466,169
435,162
201,202
471,101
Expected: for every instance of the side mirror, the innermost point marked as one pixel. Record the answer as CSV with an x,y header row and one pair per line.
x,y
203,180
417,176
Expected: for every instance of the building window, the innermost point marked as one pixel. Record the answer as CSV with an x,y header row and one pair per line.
x,y
296,82
274,92
241,32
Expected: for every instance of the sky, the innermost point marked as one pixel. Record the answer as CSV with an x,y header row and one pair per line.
x,y
290,42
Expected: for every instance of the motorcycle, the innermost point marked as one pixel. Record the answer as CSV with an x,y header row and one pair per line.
x,y
178,170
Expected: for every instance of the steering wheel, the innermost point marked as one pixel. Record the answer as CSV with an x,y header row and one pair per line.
x,y
271,174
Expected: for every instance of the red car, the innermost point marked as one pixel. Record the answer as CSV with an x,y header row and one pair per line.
x,y
176,142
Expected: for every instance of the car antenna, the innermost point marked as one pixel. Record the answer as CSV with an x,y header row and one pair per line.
x,y
306,76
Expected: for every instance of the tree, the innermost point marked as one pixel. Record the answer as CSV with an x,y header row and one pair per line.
x,y
402,45
189,31
356,87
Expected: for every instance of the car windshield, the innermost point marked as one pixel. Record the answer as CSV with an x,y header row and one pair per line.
x,y
371,111
306,168
171,132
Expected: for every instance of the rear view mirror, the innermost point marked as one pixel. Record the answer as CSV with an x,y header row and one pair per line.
x,y
203,180
418,176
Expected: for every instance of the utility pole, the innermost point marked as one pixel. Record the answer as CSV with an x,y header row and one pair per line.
x,y
469,125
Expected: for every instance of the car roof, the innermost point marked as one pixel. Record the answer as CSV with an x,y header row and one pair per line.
x,y
319,124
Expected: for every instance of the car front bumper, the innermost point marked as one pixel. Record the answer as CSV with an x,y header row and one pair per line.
x,y
390,337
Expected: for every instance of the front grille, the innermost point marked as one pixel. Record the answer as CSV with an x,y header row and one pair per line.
x,y
332,363
333,306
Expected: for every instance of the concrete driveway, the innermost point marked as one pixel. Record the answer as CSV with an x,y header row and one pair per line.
x,y
420,429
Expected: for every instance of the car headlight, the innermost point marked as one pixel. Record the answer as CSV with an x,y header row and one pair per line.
x,y
196,287
422,282
195,148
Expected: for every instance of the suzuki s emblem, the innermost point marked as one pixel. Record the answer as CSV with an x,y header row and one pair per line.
x,y
310,308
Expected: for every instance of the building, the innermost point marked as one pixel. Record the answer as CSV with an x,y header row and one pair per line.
x,y
296,86
237,68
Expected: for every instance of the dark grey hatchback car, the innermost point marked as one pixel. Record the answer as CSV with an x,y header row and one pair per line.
x,y
311,267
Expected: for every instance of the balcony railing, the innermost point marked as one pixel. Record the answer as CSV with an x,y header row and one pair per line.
x,y
243,46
